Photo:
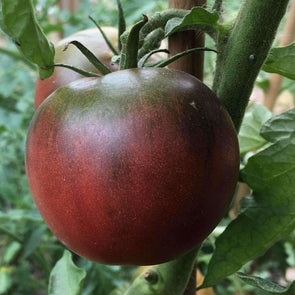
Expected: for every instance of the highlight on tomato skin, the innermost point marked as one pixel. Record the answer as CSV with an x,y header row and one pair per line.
x,y
136,167
94,41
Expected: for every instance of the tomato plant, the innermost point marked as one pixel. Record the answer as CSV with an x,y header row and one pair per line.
x,y
136,153
140,165
95,42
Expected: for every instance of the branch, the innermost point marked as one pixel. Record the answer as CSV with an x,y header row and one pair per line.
x,y
243,51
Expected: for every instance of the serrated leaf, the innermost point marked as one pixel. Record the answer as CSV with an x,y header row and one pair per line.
x,y
19,22
272,171
281,60
248,237
271,214
280,127
196,17
267,287
66,277
249,135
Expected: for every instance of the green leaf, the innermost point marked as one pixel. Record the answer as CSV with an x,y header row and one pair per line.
x,y
33,240
267,287
272,171
196,17
11,251
247,237
279,127
5,279
66,277
270,214
18,20
20,215
281,60
249,136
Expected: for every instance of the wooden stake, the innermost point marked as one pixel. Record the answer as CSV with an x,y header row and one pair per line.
x,y
182,41
71,5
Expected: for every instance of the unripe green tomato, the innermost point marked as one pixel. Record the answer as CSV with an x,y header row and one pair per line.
x,y
94,41
136,167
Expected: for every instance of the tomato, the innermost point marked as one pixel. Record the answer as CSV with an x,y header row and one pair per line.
x,y
136,167
93,40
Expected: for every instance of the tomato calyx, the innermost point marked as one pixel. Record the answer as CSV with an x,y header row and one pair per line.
x,y
91,57
142,62
130,45
105,37
135,47
163,63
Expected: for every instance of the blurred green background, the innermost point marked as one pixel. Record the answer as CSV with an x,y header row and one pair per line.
x,y
28,250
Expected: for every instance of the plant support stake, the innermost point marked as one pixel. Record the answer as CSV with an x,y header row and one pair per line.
x,y
182,41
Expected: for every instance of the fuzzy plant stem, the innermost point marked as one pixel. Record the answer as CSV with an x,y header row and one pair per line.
x,y
169,278
242,51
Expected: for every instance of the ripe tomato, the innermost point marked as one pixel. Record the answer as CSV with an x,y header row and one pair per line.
x,y
93,40
136,167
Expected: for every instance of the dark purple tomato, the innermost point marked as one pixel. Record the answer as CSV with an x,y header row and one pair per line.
x,y
136,167
94,41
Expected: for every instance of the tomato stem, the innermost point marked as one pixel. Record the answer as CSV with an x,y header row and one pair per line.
x,y
159,20
151,42
251,35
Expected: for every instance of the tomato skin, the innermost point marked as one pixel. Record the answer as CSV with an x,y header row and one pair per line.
x,y
136,167
93,40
